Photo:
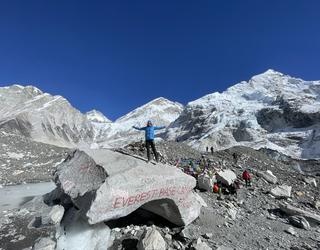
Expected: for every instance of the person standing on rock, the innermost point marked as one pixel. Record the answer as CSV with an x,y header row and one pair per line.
x,y
149,136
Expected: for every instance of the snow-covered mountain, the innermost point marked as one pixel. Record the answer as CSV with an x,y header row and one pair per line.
x,y
97,117
271,110
160,111
42,117
100,124
27,111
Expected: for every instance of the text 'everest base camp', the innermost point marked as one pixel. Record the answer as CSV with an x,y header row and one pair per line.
x,y
232,170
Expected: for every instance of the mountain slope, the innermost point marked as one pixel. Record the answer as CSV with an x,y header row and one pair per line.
x,y
100,124
27,111
271,110
160,111
42,117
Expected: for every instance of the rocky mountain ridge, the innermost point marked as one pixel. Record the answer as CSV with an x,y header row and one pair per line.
x,y
39,116
271,110
42,117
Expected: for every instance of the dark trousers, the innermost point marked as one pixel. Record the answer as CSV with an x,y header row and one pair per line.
x,y
248,182
153,147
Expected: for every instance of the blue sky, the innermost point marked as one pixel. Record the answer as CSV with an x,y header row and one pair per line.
x,y
116,55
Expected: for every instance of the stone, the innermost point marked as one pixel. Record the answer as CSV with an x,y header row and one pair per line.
x,y
226,177
317,204
224,248
208,235
200,245
232,212
76,234
116,185
283,191
56,214
205,182
44,244
299,221
310,181
290,230
268,176
309,216
299,193
36,222
79,174
188,209
151,240
176,245
168,237
189,232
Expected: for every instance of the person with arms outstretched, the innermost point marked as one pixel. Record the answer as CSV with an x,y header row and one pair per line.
x,y
149,136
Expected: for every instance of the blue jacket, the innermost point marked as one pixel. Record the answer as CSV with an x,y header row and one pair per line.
x,y
149,131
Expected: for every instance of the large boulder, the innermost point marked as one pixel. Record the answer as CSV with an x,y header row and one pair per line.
x,y
152,240
56,214
44,244
226,177
283,191
108,185
200,245
205,182
268,176
310,181
312,218
299,221
79,174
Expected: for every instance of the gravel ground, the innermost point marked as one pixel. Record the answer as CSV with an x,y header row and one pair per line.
x,y
250,219
26,161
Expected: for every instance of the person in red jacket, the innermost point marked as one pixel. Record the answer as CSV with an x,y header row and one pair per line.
x,y
246,176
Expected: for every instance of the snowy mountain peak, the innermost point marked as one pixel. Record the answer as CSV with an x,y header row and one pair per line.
x,y
270,110
28,88
162,101
157,109
160,111
17,89
271,72
27,111
97,116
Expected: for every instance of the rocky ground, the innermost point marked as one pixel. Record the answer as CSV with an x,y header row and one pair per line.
x,y
169,151
26,161
252,218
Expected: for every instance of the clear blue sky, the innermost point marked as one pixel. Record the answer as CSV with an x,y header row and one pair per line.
x,y
117,55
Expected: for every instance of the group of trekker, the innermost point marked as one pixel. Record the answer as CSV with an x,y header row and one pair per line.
x,y
211,149
218,187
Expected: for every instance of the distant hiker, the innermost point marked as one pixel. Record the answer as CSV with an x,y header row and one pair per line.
x,y
211,149
215,188
246,176
203,161
149,136
207,149
235,157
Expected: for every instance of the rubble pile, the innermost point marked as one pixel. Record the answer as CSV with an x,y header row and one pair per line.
x,y
110,200
108,185
169,151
